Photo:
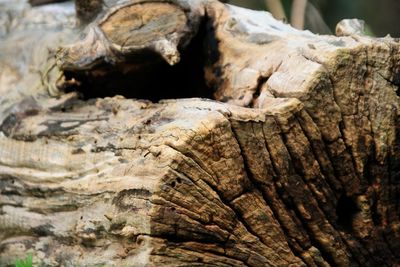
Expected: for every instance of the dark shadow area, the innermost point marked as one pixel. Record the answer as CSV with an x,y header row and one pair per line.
x,y
345,210
151,79
44,2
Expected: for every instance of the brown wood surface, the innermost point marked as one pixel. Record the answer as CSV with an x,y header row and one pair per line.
x,y
295,161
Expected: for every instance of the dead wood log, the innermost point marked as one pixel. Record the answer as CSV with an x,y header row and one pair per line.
x,y
294,163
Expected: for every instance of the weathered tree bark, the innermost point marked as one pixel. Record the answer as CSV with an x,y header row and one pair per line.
x,y
294,163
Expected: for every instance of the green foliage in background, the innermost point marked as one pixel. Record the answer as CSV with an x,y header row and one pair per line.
x,y
24,263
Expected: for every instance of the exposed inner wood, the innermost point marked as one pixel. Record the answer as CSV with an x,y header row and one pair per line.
x,y
138,24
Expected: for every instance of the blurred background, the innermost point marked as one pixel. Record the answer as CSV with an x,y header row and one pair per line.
x,y
382,17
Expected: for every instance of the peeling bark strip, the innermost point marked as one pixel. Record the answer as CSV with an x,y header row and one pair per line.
x,y
299,166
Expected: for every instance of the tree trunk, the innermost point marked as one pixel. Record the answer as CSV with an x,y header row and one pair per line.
x,y
294,163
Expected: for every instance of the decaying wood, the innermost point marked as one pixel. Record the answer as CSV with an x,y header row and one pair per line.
x,y
296,163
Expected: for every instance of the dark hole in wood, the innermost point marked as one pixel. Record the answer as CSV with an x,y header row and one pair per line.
x,y
396,79
261,81
44,2
153,80
43,230
139,241
345,210
376,217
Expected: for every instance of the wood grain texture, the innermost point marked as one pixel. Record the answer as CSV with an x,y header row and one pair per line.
x,y
294,163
